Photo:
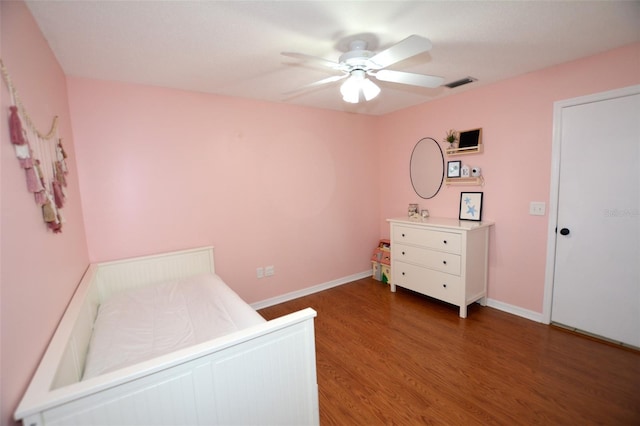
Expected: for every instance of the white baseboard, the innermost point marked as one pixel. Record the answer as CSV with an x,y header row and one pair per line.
x,y
515,310
309,290
492,303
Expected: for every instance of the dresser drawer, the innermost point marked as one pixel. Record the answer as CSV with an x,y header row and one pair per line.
x,y
439,240
432,259
435,284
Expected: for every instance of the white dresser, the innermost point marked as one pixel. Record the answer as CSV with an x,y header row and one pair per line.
x,y
443,258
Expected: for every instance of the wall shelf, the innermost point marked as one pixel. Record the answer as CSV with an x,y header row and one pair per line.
x,y
465,151
468,181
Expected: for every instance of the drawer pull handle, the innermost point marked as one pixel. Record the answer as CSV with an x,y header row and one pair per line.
x,y
403,253
403,273
403,235
444,241
444,262
444,285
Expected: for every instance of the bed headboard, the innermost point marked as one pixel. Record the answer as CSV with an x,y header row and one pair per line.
x,y
64,359
114,277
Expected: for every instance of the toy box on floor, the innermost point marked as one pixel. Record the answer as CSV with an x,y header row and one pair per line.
x,y
381,262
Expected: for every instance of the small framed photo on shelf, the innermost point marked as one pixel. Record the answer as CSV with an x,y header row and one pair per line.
x,y
471,206
453,169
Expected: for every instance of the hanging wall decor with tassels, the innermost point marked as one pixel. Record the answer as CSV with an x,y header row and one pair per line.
x,y
41,156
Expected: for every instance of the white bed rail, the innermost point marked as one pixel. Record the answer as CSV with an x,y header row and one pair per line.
x,y
265,374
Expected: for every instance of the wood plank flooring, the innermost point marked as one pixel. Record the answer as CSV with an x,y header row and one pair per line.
x,y
404,359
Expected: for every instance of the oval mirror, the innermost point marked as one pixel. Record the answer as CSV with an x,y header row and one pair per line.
x,y
427,168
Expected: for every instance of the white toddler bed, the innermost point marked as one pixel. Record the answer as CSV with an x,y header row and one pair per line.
x,y
178,371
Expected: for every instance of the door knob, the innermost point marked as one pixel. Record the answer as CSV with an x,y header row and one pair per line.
x,y
564,231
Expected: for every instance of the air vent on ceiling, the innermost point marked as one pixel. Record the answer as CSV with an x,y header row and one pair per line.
x,y
461,82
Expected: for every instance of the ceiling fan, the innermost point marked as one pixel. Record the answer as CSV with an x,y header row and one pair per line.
x,y
359,63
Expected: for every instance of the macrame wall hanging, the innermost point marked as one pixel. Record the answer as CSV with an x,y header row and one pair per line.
x,y
41,156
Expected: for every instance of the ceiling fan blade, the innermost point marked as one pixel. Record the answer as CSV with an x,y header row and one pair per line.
x,y
409,78
327,80
410,46
325,62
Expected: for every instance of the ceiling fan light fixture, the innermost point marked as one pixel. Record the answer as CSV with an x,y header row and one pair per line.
x,y
351,97
361,67
356,84
369,89
350,90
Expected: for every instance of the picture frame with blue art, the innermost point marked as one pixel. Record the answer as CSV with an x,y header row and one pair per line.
x,y
453,169
471,206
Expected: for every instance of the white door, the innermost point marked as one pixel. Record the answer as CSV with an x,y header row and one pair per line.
x,y
596,281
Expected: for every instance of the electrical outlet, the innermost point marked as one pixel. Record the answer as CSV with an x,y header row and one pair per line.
x,y
260,272
537,208
269,271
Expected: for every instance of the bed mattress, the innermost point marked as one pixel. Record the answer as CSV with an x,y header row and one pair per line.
x,y
150,321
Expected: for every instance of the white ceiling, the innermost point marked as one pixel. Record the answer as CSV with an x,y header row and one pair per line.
x,y
233,47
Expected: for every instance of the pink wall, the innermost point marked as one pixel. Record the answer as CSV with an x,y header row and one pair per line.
x,y
517,120
39,270
302,189
265,183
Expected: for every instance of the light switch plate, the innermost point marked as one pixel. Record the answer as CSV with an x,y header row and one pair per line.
x,y
269,270
537,208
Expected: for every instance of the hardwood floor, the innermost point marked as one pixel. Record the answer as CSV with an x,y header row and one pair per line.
x,y
406,359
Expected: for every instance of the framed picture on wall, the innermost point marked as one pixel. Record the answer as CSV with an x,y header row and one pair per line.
x,y
453,169
471,206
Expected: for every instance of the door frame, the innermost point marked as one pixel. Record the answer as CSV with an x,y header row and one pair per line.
x,y
558,107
